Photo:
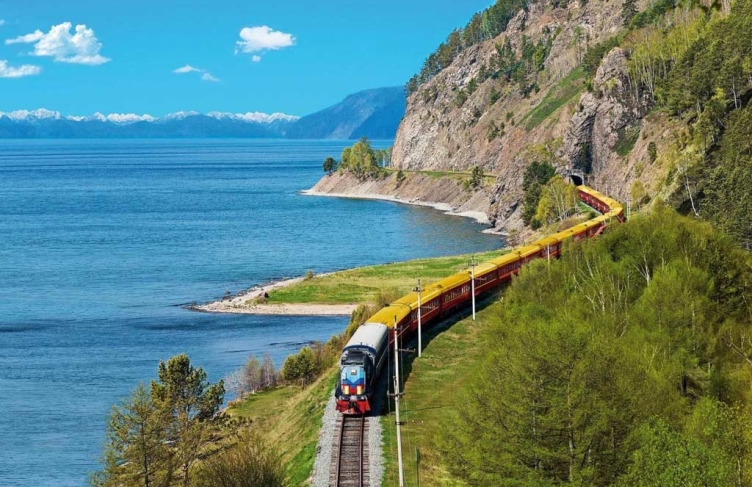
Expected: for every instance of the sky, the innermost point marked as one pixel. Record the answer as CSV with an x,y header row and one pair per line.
x,y
161,56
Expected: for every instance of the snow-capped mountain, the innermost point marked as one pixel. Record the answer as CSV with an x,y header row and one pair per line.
x,y
43,123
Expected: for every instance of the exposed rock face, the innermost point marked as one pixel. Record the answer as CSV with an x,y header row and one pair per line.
x,y
609,115
605,131
437,133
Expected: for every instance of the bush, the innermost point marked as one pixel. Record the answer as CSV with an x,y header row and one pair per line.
x,y
309,275
249,463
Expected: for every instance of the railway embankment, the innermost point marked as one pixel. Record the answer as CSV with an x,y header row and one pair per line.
x,y
443,190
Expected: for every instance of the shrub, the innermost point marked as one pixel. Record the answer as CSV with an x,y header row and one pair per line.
x,y
309,275
248,463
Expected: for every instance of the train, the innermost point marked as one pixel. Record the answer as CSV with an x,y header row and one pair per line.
x,y
366,353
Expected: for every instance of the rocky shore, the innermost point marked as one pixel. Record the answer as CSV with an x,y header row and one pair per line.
x,y
446,194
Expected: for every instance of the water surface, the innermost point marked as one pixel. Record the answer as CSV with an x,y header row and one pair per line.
x,y
102,241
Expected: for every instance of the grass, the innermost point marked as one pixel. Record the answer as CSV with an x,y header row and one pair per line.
x,y
558,96
433,390
627,140
290,418
365,283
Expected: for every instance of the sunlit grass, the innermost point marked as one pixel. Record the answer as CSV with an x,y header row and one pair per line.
x,y
364,283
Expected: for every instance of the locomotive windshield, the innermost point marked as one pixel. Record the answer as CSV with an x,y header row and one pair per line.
x,y
353,380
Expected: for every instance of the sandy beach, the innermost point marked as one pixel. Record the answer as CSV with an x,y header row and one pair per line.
x,y
245,302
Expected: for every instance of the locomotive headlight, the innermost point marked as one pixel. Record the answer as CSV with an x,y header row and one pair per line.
x,y
346,390
359,390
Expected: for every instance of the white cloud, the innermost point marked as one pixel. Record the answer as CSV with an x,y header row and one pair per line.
x,y
2,22
18,72
28,38
82,47
205,75
187,69
256,58
262,38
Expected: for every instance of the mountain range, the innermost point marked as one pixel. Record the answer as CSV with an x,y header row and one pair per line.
x,y
373,113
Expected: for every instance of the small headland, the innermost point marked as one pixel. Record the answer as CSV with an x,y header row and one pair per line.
x,y
338,293
446,191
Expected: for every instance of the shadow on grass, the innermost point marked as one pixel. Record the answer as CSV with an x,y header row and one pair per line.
x,y
383,399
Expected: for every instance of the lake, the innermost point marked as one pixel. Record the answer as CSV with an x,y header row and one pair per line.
x,y
103,241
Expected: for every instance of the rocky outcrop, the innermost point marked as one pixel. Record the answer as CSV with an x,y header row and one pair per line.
x,y
461,118
497,126
609,115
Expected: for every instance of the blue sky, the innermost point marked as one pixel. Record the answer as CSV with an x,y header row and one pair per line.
x,y
295,56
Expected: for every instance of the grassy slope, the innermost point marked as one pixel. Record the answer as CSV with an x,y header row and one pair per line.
x,y
290,418
364,283
558,96
432,390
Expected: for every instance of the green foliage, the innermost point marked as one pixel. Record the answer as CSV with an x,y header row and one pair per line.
x,y
309,275
400,177
627,140
565,90
135,452
156,437
595,54
330,165
628,11
536,175
361,160
495,95
666,457
558,200
251,462
728,201
607,369
476,177
652,152
484,25
300,367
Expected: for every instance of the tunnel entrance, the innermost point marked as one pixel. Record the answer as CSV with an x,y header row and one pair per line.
x,y
576,180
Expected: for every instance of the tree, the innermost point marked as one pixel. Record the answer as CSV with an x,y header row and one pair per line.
x,y
301,366
135,452
536,175
184,395
628,11
668,457
476,177
330,165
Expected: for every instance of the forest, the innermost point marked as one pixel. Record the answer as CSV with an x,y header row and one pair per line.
x,y
626,362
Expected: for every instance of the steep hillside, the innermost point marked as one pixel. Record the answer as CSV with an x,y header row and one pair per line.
x,y
375,114
613,92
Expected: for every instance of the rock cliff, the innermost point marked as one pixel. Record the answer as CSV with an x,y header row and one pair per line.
x,y
598,129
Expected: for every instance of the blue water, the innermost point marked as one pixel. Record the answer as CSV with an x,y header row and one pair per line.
x,y
102,241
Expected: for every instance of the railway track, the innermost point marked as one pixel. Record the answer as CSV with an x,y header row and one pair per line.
x,y
350,459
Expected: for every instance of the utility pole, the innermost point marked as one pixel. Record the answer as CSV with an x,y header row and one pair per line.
x,y
420,338
396,405
629,206
472,282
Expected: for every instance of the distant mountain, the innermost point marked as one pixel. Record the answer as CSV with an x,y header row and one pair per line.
x,y
44,123
375,114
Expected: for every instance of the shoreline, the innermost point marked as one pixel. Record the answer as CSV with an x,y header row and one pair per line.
x,y
239,303
478,216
